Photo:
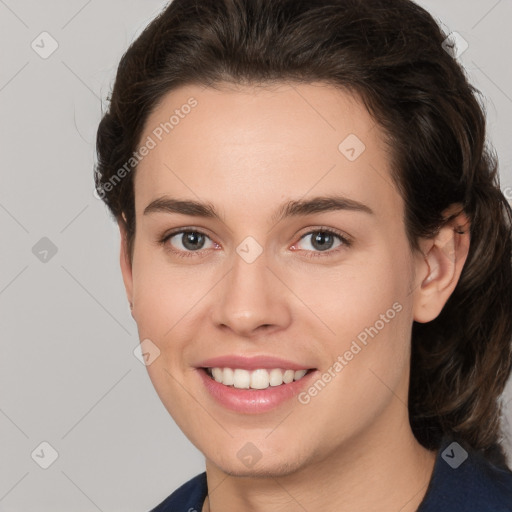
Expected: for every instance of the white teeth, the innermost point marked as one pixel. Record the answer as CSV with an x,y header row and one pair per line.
x,y
228,377
260,379
276,377
288,376
217,374
256,379
299,374
241,379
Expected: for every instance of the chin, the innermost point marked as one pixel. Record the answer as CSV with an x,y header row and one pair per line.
x,y
261,469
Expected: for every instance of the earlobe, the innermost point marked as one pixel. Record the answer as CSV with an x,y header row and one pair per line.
x,y
125,263
439,267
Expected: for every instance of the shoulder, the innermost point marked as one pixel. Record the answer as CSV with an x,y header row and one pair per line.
x,y
463,480
187,498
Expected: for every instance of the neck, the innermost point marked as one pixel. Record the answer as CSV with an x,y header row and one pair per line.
x,y
377,470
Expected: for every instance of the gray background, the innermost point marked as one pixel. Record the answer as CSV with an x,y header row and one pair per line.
x,y
68,375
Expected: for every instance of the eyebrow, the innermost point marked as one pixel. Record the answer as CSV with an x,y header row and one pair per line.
x,y
293,208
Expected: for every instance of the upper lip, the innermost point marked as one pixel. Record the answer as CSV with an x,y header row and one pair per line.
x,y
251,363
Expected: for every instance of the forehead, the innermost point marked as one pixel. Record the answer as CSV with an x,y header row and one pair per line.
x,y
262,143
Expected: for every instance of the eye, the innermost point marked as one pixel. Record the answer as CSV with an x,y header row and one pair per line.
x,y
186,242
191,242
322,241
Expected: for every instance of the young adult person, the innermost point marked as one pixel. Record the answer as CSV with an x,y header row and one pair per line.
x,y
317,254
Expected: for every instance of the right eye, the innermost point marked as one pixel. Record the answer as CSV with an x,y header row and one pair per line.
x,y
187,242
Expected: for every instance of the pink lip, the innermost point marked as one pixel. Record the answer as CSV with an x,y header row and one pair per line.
x,y
251,363
253,401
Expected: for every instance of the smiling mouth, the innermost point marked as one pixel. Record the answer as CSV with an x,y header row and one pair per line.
x,y
262,378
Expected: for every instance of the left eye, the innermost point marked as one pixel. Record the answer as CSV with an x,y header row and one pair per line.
x,y
323,240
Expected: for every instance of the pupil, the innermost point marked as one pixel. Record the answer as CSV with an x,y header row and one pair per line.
x,y
320,239
191,238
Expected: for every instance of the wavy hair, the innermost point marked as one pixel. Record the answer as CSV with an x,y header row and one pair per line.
x,y
390,53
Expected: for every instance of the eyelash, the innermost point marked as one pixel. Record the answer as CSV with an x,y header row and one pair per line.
x,y
312,254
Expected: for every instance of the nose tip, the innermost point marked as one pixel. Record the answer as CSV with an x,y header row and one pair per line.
x,y
248,302
246,324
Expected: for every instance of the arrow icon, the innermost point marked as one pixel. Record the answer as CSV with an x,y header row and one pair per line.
x,y
351,147
146,352
44,44
452,454
44,250
249,454
44,455
249,249
455,45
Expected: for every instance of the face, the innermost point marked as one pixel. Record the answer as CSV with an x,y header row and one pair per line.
x,y
274,278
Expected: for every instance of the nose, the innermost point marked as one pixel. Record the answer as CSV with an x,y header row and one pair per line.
x,y
251,299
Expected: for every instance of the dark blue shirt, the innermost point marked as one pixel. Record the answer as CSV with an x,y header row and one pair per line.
x,y
462,481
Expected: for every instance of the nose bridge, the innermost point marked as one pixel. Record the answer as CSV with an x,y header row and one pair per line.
x,y
248,297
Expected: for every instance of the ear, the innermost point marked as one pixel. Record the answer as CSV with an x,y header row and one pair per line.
x,y
124,259
439,265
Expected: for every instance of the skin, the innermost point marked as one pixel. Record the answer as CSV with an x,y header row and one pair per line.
x,y
247,150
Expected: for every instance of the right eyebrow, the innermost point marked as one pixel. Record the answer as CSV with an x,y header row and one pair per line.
x,y
185,207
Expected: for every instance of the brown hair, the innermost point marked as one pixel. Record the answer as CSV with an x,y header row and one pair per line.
x,y
390,53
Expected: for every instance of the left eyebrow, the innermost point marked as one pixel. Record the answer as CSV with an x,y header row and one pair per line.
x,y
293,208
319,204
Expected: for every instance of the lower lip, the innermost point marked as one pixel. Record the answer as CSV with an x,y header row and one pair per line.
x,y
253,401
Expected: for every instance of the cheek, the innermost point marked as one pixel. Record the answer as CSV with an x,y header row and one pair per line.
x,y
159,304
357,297
163,294
366,315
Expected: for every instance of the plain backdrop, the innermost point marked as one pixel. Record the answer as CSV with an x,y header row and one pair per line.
x,y
68,374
